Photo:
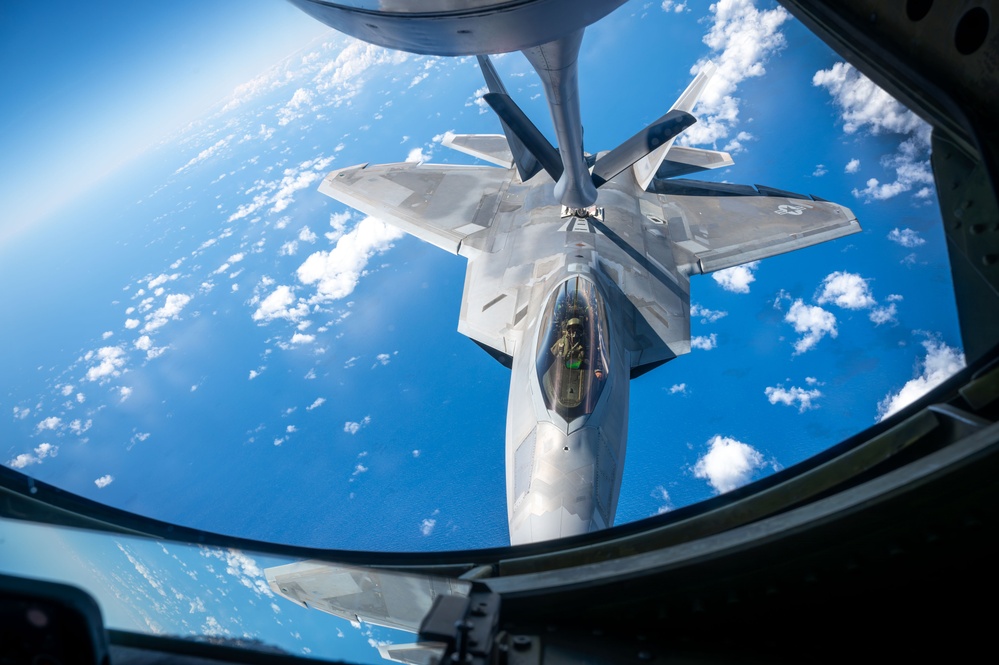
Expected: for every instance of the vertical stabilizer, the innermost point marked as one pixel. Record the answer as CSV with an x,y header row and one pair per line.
x,y
645,168
527,164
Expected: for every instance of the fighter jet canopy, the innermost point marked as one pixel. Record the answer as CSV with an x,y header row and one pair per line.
x,y
572,355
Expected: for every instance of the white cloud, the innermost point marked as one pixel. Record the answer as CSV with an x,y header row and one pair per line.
x,y
104,481
50,423
299,338
741,39
662,496
132,323
674,6
111,361
306,235
124,393
359,469
20,413
40,453
881,315
820,170
336,272
382,359
296,107
107,334
812,322
351,427
477,99
794,395
280,304
416,156
863,105
728,464
172,306
678,388
315,405
847,290
416,453
738,278
427,526
940,363
852,166
204,154
706,315
906,237
704,343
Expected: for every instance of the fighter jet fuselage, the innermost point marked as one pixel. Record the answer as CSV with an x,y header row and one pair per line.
x,y
578,299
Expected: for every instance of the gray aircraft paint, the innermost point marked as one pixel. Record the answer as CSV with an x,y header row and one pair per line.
x,y
636,249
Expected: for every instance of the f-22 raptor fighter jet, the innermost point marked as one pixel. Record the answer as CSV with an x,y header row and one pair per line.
x,y
579,272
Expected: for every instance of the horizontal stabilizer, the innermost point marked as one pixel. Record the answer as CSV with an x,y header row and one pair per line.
x,y
646,169
492,148
529,135
659,133
527,164
681,160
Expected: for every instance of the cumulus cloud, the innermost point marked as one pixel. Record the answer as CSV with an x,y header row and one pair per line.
x,y
882,315
416,156
792,396
705,343
812,322
110,361
863,105
940,363
50,423
299,338
427,526
728,464
351,427
335,273
315,405
104,481
296,107
906,237
281,304
847,290
852,166
674,6
20,413
741,38
40,453
738,278
706,315
820,170
172,306
678,388
204,154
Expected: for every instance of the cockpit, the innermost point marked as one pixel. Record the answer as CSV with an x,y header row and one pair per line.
x,y
572,355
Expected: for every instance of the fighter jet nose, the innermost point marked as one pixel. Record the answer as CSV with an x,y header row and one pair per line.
x,y
562,499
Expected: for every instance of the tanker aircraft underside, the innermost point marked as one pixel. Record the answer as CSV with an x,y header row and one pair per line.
x,y
578,273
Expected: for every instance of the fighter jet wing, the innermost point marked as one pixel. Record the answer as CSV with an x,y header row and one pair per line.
x,y
720,225
440,204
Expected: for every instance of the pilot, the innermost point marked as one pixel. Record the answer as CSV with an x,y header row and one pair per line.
x,y
568,346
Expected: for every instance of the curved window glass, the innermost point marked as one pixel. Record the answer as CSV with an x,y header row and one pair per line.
x,y
572,350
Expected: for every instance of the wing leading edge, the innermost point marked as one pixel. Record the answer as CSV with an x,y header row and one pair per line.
x,y
439,204
716,226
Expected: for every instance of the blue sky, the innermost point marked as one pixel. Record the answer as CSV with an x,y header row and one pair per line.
x,y
95,84
203,338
